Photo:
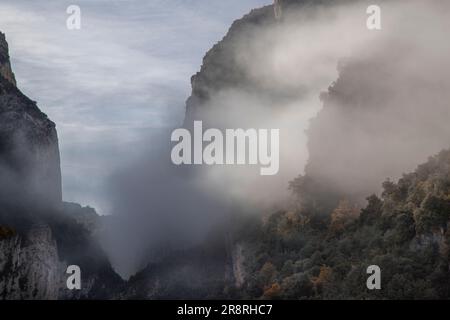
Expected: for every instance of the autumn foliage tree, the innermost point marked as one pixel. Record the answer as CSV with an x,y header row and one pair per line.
x,y
322,279
272,292
342,215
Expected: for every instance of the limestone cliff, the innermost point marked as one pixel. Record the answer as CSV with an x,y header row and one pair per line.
x,y
220,69
39,235
29,152
29,266
33,262
5,64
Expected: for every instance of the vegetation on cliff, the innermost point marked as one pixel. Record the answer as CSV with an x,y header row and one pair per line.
x,y
307,254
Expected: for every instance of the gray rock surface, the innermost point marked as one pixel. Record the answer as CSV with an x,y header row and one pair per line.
x,y
29,152
29,266
5,64
39,235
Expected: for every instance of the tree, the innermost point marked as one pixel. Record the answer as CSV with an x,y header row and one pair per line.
x,y
322,279
268,273
272,292
372,211
296,286
437,212
343,215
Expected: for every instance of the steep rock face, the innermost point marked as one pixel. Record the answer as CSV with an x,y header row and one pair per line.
x,y
33,262
39,235
85,216
5,65
20,279
30,188
220,68
29,153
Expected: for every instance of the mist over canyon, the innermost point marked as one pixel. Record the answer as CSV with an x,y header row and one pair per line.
x,y
356,109
382,115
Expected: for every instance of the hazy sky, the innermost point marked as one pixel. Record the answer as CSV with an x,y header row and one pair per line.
x,y
125,72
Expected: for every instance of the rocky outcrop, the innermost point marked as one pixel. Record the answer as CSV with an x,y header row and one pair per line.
x,y
29,265
33,262
30,190
5,64
220,68
39,235
85,216
29,153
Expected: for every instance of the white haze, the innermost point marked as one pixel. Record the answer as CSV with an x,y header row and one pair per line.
x,y
389,110
290,63
294,61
